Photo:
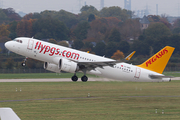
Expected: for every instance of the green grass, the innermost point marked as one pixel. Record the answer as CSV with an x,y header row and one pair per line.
x,y
175,74
108,101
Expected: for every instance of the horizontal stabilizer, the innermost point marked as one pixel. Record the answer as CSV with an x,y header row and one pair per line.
x,y
159,76
8,114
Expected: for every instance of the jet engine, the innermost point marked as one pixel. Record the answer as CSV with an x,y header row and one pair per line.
x,y
51,67
68,66
62,64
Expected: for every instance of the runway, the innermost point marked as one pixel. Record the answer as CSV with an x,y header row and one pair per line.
x,y
52,80
23,100
61,80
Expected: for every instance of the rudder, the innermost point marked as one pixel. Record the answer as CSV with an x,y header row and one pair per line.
x,y
158,62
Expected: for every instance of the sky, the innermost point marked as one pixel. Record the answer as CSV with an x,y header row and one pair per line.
x,y
169,7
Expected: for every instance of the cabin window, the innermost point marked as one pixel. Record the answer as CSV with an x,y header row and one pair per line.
x,y
19,41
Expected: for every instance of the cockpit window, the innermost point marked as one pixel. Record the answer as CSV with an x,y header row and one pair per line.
x,y
20,41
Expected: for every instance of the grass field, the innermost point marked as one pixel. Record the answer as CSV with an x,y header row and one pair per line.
x,y
107,101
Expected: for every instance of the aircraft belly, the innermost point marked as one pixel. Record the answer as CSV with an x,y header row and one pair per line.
x,y
116,74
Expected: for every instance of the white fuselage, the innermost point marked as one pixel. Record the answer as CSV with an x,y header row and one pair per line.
x,y
49,52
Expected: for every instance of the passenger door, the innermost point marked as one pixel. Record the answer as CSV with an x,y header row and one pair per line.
x,y
137,73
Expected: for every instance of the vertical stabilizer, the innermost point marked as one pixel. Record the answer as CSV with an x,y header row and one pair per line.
x,y
158,62
8,114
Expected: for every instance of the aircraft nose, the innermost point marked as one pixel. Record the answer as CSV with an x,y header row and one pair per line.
x,y
7,45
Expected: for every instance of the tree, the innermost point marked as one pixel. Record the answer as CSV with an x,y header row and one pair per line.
x,y
52,41
3,17
12,28
177,23
78,44
87,8
50,28
68,18
141,48
4,30
101,29
24,28
115,12
118,55
110,49
124,46
176,30
130,29
4,39
174,41
153,18
91,18
165,22
11,14
63,43
9,63
81,30
31,63
156,31
115,36
88,45
100,49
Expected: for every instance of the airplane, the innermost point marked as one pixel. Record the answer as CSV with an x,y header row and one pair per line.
x,y
57,58
8,114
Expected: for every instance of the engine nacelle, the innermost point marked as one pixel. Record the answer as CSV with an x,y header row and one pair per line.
x,y
51,67
68,66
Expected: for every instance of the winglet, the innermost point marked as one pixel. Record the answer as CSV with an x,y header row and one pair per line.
x,y
158,62
8,114
130,56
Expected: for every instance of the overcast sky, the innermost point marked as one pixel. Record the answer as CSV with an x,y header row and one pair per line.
x,y
169,7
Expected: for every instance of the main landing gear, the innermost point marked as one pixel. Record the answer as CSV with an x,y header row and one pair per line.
x,y
83,78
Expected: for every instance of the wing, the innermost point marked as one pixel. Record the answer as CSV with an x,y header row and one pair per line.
x,y
92,65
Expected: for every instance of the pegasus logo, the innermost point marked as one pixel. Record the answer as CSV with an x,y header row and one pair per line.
x,y
157,56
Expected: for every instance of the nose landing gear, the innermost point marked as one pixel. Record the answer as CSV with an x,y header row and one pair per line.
x,y
24,62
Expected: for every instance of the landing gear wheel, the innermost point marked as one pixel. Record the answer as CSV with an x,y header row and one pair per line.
x,y
84,78
23,64
74,78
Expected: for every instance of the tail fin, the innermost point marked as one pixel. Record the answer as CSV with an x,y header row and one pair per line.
x,y
158,62
8,114
130,56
